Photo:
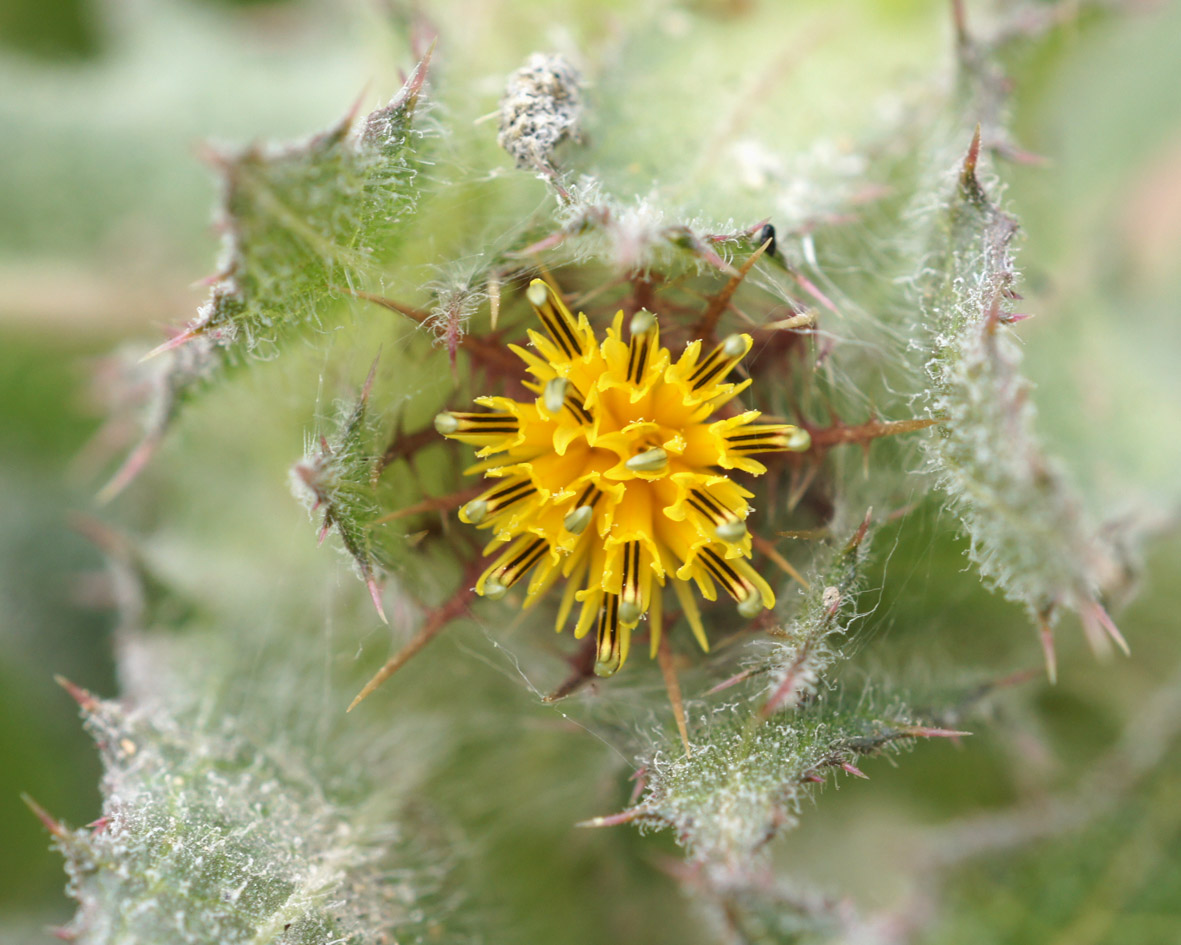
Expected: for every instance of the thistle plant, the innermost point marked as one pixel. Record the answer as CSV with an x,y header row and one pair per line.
x,y
762,348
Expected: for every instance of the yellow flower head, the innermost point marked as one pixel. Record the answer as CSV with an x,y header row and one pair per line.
x,y
615,478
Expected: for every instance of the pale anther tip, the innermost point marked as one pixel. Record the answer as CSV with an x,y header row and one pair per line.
x,y
751,607
446,423
607,667
493,589
648,461
798,439
643,321
577,520
537,293
629,612
734,346
554,395
731,531
475,511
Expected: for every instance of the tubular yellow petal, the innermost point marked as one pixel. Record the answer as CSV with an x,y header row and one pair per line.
x,y
655,625
612,476
692,614
544,576
609,638
567,333
590,610
567,601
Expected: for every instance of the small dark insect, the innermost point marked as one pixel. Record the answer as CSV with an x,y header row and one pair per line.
x,y
767,233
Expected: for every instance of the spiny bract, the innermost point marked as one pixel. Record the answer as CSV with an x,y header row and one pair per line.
x,y
614,479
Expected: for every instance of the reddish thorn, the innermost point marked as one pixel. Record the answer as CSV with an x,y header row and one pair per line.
x,y
549,242
611,820
973,155
84,699
375,594
324,447
862,529
100,825
209,281
132,467
812,778
732,681
1108,624
324,529
811,288
420,71
64,932
48,822
175,341
369,380
641,778
1046,634
1011,318
715,260
1021,156
854,770
783,692
752,230
1016,679
350,116
452,352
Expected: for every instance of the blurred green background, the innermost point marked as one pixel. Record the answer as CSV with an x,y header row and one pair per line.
x,y
104,226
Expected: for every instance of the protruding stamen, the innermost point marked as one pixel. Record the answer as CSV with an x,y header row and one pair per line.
x,y
608,651
798,440
719,362
575,400
629,612
731,531
751,607
467,425
630,584
499,499
642,322
725,520
769,438
576,521
514,564
554,395
474,512
734,346
639,348
556,318
652,460
736,584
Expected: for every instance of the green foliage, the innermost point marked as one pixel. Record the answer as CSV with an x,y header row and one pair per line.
x,y
1029,535
241,803
744,778
208,837
304,223
340,477
800,653
301,226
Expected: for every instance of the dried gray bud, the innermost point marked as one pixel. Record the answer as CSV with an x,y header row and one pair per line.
x,y
539,109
